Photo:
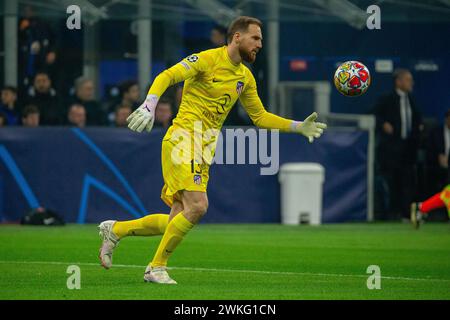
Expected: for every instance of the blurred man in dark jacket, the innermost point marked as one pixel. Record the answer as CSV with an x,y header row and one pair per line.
x,y
36,47
30,116
120,116
163,114
130,94
8,105
218,36
398,127
42,95
85,95
76,115
437,155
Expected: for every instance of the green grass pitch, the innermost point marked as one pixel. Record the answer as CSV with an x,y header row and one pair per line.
x,y
233,262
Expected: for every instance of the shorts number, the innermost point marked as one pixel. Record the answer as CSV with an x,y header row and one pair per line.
x,y
193,164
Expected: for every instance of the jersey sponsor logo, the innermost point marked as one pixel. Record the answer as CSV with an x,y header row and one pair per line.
x,y
211,116
198,179
192,58
239,87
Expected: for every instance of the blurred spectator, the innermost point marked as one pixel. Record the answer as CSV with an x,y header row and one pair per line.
x,y
3,120
8,105
130,94
42,95
121,114
218,36
84,95
398,128
438,149
76,115
163,114
30,116
36,46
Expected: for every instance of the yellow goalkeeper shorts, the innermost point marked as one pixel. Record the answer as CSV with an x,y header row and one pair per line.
x,y
188,175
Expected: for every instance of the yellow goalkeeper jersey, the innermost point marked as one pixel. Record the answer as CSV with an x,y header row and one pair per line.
x,y
213,84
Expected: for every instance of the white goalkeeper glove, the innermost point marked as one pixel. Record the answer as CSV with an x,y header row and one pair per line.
x,y
144,116
309,128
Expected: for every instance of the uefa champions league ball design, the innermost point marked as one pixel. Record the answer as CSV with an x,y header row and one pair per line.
x,y
352,78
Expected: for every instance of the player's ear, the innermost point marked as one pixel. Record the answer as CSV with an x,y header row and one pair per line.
x,y
237,37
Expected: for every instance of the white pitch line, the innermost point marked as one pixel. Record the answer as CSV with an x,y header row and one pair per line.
x,y
225,270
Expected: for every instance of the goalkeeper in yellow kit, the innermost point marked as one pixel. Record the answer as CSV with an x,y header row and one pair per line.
x,y
214,80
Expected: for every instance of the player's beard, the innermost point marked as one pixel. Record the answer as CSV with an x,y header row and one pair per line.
x,y
247,56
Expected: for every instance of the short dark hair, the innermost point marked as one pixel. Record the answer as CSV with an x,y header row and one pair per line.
x,y
241,24
220,29
122,106
447,113
29,109
126,85
166,101
76,105
10,88
41,72
399,73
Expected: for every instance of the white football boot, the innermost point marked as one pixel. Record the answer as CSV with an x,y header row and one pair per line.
x,y
417,217
110,241
158,275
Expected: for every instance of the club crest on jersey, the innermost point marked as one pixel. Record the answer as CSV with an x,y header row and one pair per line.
x,y
239,87
198,179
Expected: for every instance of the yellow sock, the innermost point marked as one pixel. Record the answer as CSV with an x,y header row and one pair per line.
x,y
150,225
177,228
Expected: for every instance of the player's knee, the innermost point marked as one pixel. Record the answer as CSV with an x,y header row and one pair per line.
x,y
195,205
198,208
177,206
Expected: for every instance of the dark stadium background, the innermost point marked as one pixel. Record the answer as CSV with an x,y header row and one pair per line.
x,y
411,34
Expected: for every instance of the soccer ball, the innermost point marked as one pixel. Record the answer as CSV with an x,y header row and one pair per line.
x,y
352,78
